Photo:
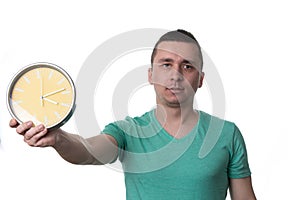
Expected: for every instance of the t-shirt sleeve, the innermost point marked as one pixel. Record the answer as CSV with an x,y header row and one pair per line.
x,y
238,164
114,130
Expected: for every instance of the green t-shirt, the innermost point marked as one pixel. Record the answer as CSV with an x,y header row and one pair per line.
x,y
197,166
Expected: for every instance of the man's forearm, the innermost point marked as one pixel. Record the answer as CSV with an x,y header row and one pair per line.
x,y
72,149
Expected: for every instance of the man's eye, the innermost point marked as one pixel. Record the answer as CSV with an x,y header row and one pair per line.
x,y
188,67
166,65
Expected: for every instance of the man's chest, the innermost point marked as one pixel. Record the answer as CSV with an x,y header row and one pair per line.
x,y
179,160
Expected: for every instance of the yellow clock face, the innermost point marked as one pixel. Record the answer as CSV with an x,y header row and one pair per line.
x,y
43,93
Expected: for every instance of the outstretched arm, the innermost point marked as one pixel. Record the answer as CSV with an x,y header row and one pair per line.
x,y
100,149
241,189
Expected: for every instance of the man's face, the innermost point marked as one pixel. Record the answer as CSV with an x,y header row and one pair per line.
x,y
176,73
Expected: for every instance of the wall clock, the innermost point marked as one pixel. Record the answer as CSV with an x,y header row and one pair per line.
x,y
43,93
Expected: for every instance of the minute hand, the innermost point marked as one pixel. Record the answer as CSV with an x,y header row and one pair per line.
x,y
54,92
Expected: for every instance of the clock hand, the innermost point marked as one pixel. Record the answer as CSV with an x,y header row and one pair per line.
x,y
54,92
49,100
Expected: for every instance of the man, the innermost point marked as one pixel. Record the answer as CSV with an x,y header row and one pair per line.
x,y
161,151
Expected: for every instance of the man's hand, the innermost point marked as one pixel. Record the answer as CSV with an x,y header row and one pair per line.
x,y
36,136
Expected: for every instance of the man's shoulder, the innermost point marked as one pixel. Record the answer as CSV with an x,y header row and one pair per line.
x,y
131,126
129,123
216,130
141,120
214,120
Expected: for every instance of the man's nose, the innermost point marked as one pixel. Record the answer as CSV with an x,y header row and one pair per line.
x,y
176,74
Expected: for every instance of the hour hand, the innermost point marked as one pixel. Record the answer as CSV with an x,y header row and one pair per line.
x,y
49,100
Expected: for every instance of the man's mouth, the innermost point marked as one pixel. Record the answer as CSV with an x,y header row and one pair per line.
x,y
175,90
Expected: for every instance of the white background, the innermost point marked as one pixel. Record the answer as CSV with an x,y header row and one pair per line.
x,y
254,45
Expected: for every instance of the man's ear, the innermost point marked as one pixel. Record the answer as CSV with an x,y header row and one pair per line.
x,y
201,79
150,76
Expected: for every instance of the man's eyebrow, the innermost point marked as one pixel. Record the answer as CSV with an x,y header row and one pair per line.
x,y
187,61
165,60
171,60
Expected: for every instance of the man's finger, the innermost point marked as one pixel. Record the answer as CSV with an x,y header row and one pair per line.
x,y
24,127
35,138
33,131
13,123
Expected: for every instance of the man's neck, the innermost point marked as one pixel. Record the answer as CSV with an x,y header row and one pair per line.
x,y
173,114
177,121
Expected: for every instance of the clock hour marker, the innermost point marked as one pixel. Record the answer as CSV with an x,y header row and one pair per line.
x,y
65,104
61,81
50,75
46,120
57,115
19,89
17,102
26,79
66,92
38,74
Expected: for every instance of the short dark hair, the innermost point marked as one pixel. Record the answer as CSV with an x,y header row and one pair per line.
x,y
178,35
